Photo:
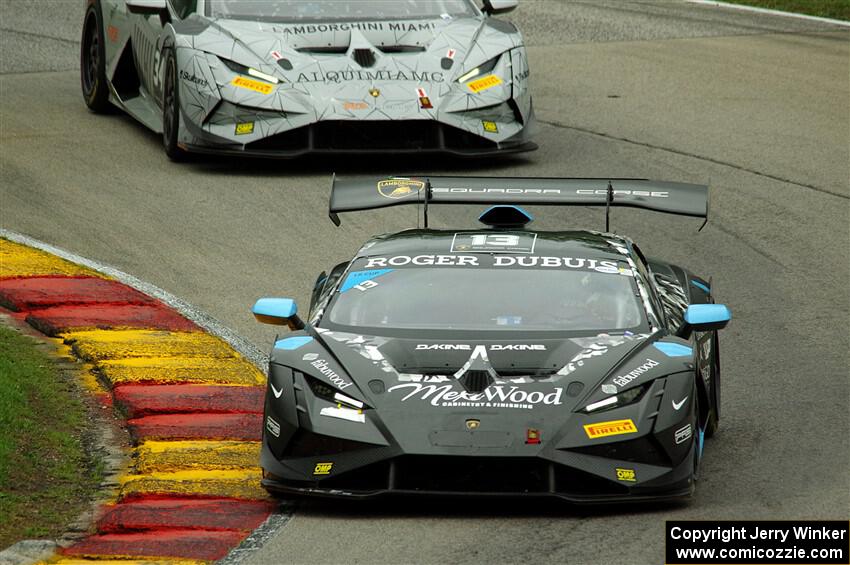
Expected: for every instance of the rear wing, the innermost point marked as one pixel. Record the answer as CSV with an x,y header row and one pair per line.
x,y
670,197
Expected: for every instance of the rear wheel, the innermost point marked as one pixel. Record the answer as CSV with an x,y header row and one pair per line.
x,y
171,109
93,62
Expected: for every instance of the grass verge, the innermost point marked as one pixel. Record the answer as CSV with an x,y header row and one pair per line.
x,y
46,476
835,9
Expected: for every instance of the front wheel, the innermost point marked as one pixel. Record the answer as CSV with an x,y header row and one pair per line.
x,y
171,109
93,62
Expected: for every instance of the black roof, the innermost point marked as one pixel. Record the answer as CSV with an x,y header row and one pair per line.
x,y
548,243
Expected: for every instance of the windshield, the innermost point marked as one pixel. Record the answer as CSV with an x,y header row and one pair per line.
x,y
487,292
336,10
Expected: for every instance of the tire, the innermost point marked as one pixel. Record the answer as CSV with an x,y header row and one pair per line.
x,y
713,421
171,109
93,62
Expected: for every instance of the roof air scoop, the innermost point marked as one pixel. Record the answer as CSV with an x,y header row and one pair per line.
x,y
505,216
477,373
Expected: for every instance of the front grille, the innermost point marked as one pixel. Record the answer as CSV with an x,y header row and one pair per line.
x,y
368,478
471,474
366,136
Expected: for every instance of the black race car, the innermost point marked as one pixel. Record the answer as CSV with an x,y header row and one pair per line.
x,y
501,360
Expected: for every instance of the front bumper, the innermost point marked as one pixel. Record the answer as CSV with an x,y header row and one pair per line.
x,y
365,137
486,476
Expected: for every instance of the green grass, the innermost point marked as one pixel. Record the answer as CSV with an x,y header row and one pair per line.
x,y
836,9
46,477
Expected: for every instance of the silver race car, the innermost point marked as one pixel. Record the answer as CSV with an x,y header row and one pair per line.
x,y
282,78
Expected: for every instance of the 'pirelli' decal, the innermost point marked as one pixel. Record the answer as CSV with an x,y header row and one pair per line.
x,y
612,428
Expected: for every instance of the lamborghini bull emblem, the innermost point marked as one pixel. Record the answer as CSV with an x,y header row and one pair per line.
x,y
473,424
399,188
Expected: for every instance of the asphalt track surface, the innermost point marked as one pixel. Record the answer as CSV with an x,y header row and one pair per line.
x,y
756,105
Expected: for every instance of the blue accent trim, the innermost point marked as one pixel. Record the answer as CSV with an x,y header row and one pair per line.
x,y
528,217
701,441
707,314
673,349
291,343
357,277
701,286
275,307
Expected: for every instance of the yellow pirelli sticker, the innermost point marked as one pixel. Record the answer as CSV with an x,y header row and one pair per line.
x,y
255,85
484,83
612,428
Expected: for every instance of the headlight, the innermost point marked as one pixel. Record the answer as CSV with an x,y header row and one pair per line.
x,y
327,392
480,69
619,400
243,70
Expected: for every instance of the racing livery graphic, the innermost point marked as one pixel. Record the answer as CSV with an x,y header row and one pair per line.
x,y
281,78
500,360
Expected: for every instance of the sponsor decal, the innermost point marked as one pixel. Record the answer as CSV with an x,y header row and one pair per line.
x,y
650,193
310,357
514,242
255,85
362,280
275,391
323,368
112,33
532,436
484,83
323,468
496,396
276,55
612,428
624,380
399,188
245,128
420,260
467,347
473,424
351,75
355,106
424,101
522,76
200,81
609,389
450,54
626,475
362,26
683,434
489,127
547,191
677,405
272,426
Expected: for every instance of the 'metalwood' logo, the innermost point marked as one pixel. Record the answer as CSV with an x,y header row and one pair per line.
x,y
497,396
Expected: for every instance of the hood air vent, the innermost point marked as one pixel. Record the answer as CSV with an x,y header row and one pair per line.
x,y
476,381
364,57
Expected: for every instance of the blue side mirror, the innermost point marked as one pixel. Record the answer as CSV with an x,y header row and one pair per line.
x,y
278,312
707,317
